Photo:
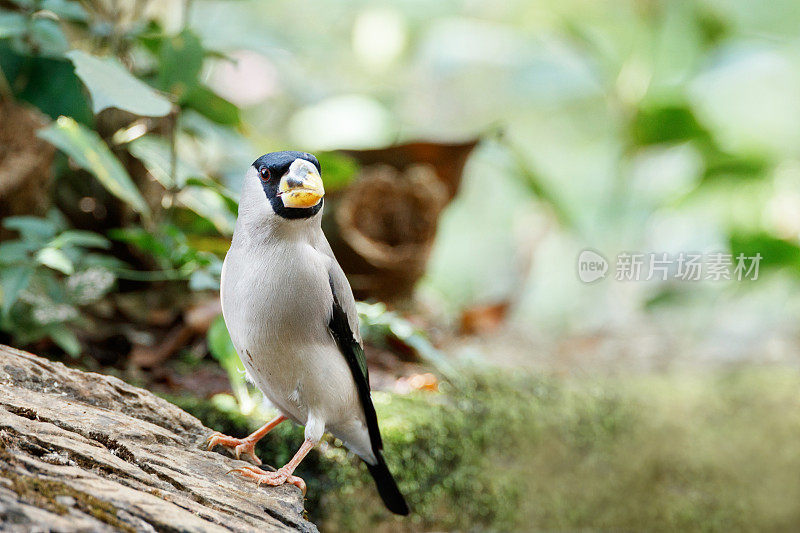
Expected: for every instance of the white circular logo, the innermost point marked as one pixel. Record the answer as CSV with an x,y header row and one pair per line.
x,y
591,266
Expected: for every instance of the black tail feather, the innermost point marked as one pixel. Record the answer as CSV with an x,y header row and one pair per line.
x,y
387,487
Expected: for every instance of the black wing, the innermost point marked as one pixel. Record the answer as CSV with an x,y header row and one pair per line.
x,y
340,327
353,353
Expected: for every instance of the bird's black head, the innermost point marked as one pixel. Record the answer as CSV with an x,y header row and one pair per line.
x,y
292,183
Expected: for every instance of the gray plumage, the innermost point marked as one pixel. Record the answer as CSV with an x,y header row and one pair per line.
x,y
280,283
277,301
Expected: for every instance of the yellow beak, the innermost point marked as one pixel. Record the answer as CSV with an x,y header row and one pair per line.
x,y
301,186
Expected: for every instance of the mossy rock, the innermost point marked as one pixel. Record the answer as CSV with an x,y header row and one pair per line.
x,y
85,452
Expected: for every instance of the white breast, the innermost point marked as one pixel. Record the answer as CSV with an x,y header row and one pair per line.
x,y
277,300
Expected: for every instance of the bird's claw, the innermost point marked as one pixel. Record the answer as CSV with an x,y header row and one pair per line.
x,y
240,447
274,479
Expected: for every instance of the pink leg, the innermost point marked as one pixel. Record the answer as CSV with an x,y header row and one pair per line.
x,y
281,475
246,445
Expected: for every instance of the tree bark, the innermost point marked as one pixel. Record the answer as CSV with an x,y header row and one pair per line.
x,y
84,452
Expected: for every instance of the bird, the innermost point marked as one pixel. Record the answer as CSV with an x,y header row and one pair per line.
x,y
292,319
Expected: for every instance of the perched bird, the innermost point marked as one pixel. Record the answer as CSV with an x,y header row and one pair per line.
x,y
292,319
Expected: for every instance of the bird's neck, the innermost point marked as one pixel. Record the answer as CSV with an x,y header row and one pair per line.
x,y
273,230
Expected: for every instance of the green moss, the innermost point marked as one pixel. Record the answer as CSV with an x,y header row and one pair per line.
x,y
43,493
442,447
500,451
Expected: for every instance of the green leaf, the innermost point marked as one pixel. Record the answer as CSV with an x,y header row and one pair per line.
x,y
66,340
12,24
212,106
52,87
55,259
669,123
89,151
111,85
48,38
775,252
142,239
209,204
221,346
203,280
150,36
102,260
66,9
85,239
377,323
14,280
180,61
222,349
31,228
16,251
208,277
721,165
154,152
337,169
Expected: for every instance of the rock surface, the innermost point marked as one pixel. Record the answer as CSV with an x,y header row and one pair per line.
x,y
84,452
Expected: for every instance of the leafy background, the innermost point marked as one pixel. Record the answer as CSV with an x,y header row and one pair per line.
x,y
658,126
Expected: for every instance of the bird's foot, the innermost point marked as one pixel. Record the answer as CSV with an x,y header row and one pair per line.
x,y
279,477
240,447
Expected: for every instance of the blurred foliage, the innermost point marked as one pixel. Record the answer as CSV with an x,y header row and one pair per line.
x,y
174,254
655,127
89,151
48,276
222,349
102,55
663,127
510,451
384,328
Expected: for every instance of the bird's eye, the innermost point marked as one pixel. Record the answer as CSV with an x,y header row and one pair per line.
x,y
264,173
